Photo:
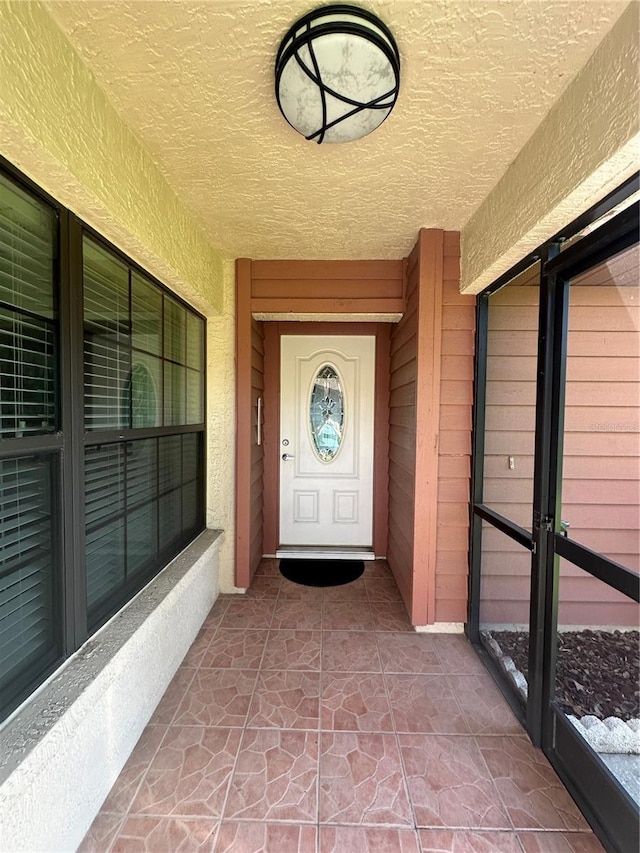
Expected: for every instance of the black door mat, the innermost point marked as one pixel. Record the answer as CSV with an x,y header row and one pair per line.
x,y
321,572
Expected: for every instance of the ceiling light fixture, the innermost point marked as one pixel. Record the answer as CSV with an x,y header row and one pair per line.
x,y
337,74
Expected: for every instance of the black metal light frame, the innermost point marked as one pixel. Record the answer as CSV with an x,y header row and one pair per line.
x,y
292,43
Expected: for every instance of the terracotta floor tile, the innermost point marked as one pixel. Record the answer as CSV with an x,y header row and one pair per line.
x,y
464,841
217,697
275,777
165,835
268,566
560,842
377,569
286,700
253,837
383,589
292,650
390,616
247,613
174,694
214,617
354,591
190,773
291,613
424,703
291,591
449,785
361,780
354,702
347,616
265,586
126,785
483,706
199,647
234,649
101,834
456,654
413,732
367,839
532,793
350,651
408,653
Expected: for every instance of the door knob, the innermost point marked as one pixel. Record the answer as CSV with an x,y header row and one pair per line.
x,y
287,456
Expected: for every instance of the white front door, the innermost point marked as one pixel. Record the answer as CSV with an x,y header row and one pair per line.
x,y
326,441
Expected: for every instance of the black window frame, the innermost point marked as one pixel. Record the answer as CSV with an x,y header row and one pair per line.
x,y
67,446
598,793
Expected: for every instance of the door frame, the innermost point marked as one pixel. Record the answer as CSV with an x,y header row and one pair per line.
x,y
273,332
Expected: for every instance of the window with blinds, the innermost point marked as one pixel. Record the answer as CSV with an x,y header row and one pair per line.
x,y
27,314
27,568
101,395
143,370
29,614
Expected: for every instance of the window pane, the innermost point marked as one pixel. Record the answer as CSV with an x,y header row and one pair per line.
x,y
597,646
195,413
27,375
146,391
142,505
106,343
195,342
28,232
105,295
601,464
505,593
146,315
107,385
105,523
174,330
512,349
170,463
170,519
174,394
326,414
27,566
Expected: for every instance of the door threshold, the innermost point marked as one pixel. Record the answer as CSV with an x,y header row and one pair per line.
x,y
324,552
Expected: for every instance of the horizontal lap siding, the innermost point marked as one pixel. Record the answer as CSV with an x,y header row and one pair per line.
x,y
512,348
327,287
257,453
602,422
402,437
601,464
454,446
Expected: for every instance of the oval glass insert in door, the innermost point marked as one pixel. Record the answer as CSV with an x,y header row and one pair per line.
x,y
326,413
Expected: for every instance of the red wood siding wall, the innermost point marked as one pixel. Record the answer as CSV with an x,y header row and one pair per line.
x,y
249,456
601,468
327,287
512,348
424,375
454,447
257,450
430,434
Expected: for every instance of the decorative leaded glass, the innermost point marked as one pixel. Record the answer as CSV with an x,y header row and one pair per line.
x,y
326,413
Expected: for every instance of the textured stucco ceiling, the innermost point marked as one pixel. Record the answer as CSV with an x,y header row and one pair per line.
x,y
195,82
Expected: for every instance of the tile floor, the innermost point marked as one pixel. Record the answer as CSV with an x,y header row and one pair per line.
x,y
310,721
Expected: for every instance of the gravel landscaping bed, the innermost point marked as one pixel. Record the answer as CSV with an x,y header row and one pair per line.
x,y
597,681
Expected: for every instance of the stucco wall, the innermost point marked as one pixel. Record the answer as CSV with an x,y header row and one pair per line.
x,y
62,753
221,418
587,145
58,126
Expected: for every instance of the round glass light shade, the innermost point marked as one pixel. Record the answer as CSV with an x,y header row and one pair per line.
x,y
337,74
